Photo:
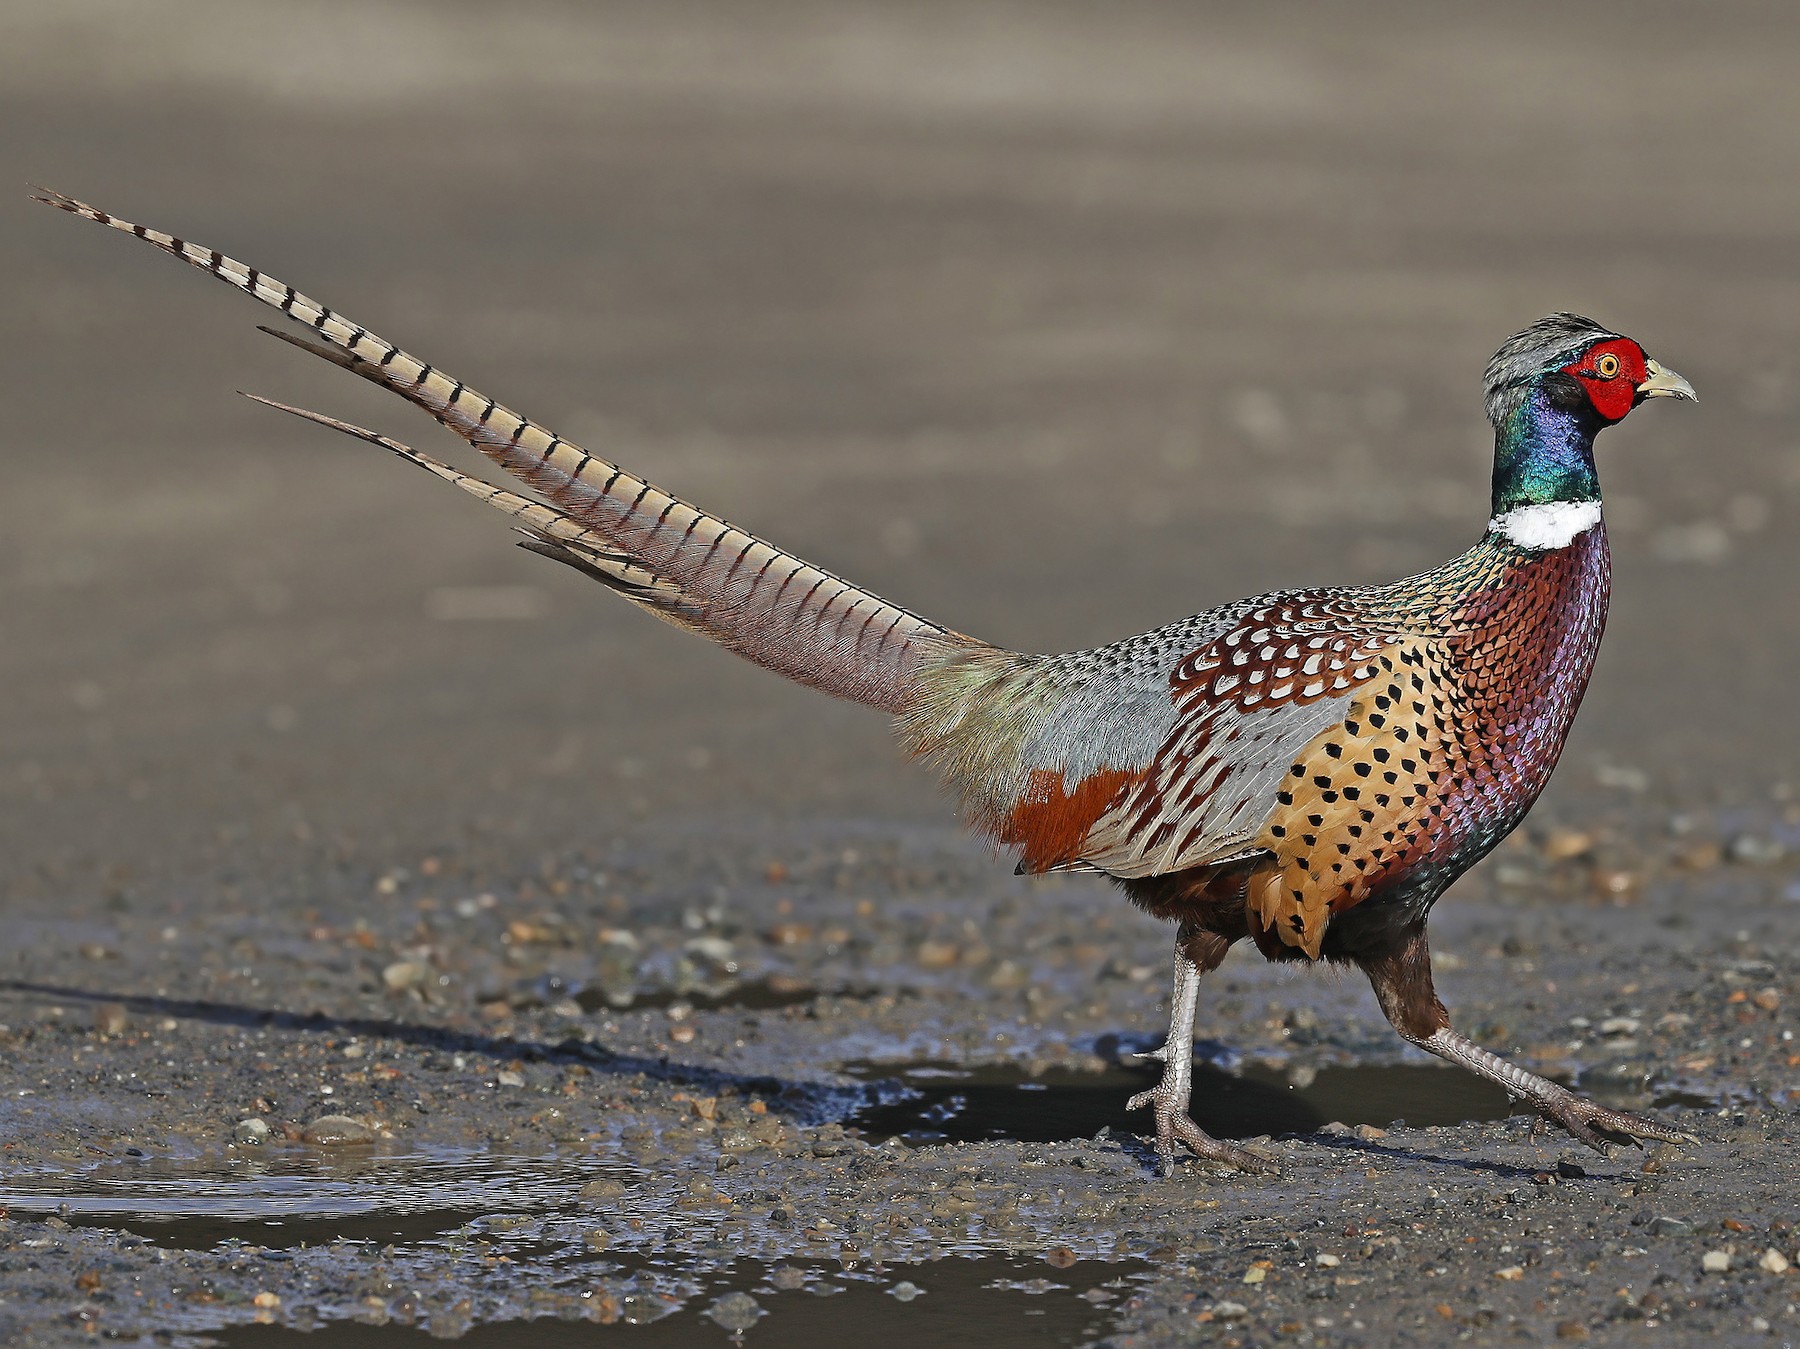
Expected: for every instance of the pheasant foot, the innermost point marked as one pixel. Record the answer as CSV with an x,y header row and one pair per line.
x,y
1174,1130
1594,1125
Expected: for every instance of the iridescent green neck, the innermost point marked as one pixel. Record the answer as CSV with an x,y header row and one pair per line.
x,y
1544,450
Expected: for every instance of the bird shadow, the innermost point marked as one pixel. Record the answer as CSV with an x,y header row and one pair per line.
x,y
806,1102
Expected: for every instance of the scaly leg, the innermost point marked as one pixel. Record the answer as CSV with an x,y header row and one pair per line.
x,y
1402,982
1196,953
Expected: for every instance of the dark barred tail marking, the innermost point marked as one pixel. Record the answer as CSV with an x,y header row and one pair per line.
x,y
729,594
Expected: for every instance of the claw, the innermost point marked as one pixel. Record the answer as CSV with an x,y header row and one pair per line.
x,y
1599,1127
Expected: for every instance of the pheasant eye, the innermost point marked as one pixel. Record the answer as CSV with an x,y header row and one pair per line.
x,y
1607,367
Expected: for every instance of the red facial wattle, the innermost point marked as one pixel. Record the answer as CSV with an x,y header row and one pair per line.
x,y
1611,372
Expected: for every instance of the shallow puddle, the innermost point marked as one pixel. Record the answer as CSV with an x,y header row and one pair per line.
x,y
946,1104
285,1197
996,1302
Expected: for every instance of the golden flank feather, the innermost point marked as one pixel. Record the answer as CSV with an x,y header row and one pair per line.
x,y
1354,803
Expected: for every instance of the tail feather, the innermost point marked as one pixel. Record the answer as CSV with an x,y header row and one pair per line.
x,y
548,531
689,567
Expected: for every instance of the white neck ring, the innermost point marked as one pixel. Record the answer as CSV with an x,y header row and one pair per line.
x,y
1555,524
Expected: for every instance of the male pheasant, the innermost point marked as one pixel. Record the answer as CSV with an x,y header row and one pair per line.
x,y
1309,769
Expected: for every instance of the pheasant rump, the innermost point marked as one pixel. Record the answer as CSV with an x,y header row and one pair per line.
x,y
1310,770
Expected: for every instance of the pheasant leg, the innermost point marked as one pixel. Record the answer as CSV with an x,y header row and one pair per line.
x,y
1402,983
1170,1096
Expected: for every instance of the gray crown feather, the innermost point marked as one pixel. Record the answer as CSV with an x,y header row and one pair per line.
x,y
1547,344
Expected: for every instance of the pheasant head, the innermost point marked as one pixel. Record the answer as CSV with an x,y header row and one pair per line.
x,y
1550,390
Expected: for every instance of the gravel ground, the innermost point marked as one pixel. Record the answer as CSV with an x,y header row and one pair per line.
x,y
399,934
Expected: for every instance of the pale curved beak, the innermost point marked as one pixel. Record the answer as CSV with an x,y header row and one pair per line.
x,y
1662,383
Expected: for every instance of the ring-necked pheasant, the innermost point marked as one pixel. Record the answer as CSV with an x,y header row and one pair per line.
x,y
1309,769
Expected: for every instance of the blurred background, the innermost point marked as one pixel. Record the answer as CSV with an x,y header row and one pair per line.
x,y
1052,321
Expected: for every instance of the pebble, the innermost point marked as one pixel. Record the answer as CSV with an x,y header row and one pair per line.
x,y
1754,850
1715,1262
787,1278
110,1018
402,975
337,1131
1663,1226
1229,1311
1565,844
506,1077
1327,1260
251,1133
1774,1261
906,1290
606,1187
736,1312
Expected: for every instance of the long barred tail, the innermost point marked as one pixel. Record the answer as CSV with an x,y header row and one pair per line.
x,y
686,566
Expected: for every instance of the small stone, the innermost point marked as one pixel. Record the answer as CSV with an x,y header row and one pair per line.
x,y
251,1133
1774,1261
1511,1273
402,975
1614,883
507,1077
736,1312
1769,999
1571,1330
1008,974
1753,850
267,1300
110,1018
598,1239
337,1131
1059,1257
1301,1019
1716,1262
787,1278
1564,844
1327,1260
1621,1025
1256,1273
906,1290
1664,1226
938,955
606,1187
1369,1133
1702,856
1229,1311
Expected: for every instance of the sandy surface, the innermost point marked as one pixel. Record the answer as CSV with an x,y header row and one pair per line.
x,y
1050,322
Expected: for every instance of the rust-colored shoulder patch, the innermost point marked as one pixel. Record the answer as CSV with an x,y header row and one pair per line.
x,y
1050,823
